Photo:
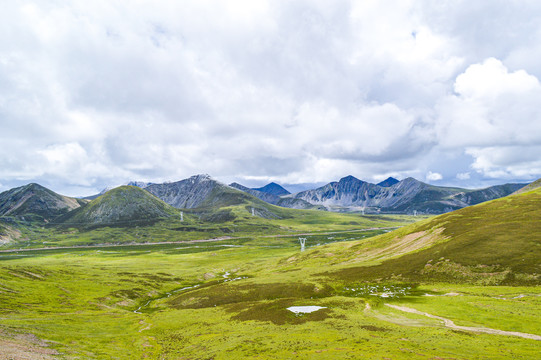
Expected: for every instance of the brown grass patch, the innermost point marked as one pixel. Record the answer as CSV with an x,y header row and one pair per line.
x,y
400,246
23,347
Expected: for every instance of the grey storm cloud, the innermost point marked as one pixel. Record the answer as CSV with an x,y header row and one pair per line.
x,y
102,92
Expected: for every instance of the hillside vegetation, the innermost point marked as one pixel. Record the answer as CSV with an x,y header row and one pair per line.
x,y
498,242
532,186
122,206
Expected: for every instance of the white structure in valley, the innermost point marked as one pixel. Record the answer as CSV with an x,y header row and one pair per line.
x,y
181,216
302,241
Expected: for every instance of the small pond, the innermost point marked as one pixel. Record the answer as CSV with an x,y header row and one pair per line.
x,y
304,309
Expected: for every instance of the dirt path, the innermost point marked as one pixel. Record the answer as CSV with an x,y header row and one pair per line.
x,y
450,324
147,327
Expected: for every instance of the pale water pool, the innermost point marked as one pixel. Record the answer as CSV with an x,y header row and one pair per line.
x,y
304,309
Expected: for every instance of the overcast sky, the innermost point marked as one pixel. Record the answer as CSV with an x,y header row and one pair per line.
x,y
98,93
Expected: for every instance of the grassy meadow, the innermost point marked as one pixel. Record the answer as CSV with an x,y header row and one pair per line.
x,y
227,222
227,298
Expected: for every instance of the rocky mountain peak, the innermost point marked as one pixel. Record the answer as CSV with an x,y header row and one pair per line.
x,y
390,181
187,193
349,179
37,201
139,184
200,178
236,185
410,181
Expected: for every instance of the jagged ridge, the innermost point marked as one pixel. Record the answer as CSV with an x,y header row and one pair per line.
x,y
405,196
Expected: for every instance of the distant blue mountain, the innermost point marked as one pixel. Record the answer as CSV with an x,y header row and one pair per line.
x,y
390,181
288,202
274,189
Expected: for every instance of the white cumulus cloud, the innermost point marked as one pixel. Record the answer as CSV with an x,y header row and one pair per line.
x,y
494,117
433,176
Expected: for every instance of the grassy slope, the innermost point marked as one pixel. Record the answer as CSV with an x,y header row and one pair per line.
x,y
532,186
495,242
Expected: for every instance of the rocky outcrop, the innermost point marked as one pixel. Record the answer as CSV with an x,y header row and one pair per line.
x,y
8,233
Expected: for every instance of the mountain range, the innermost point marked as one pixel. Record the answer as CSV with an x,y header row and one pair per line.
x,y
393,196
349,194
147,202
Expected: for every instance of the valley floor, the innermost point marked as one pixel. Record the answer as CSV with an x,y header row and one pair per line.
x,y
228,299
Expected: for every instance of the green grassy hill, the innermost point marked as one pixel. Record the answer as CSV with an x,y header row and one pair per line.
x,y
498,242
123,206
532,186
